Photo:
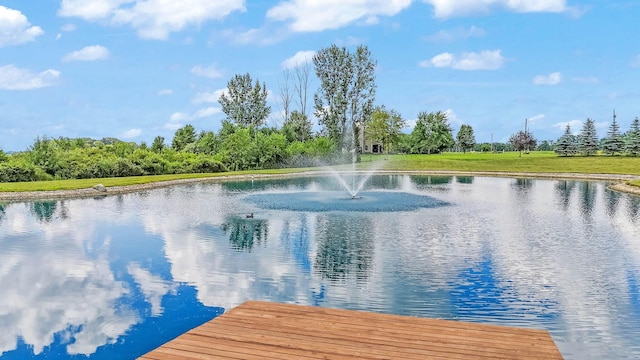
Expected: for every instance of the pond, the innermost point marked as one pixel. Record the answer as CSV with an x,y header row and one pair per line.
x,y
117,276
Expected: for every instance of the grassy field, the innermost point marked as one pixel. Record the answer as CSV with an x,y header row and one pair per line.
x,y
541,162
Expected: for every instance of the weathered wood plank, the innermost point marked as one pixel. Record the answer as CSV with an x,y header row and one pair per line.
x,y
259,330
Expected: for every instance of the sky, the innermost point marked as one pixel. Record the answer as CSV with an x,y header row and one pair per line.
x,y
136,69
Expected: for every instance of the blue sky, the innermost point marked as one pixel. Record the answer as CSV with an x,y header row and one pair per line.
x,y
135,69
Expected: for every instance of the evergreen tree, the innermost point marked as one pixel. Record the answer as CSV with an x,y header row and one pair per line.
x,y
632,145
567,145
588,144
465,138
613,142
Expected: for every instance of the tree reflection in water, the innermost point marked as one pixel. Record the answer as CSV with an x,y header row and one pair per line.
x,y
43,210
346,248
588,191
244,233
563,190
2,210
612,200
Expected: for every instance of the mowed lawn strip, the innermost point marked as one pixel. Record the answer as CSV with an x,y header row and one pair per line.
x,y
534,162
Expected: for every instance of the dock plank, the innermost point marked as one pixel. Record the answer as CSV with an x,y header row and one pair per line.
x,y
262,330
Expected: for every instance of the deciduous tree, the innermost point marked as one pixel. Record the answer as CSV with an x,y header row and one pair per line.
x,y
522,140
301,86
158,144
465,138
346,94
297,127
285,95
245,103
432,133
385,127
183,137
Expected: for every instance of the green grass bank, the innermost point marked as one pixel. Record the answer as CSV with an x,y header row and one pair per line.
x,y
511,162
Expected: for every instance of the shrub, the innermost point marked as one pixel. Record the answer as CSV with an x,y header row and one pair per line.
x,y
15,172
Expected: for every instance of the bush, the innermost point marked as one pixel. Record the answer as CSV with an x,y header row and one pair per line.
x,y
203,164
15,172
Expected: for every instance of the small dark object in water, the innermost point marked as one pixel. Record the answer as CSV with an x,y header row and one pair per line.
x,y
250,216
353,197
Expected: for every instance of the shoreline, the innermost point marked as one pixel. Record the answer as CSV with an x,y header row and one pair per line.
x,y
619,185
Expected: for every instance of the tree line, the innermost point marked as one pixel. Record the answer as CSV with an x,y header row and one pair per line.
x,y
587,143
348,118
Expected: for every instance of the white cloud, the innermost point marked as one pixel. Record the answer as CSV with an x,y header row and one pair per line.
x,y
635,62
152,19
576,126
68,27
15,28
265,35
165,92
153,287
349,41
206,112
51,281
551,79
452,117
300,58
89,53
313,15
209,97
130,134
536,118
210,71
14,78
179,119
484,60
89,9
585,80
460,33
453,8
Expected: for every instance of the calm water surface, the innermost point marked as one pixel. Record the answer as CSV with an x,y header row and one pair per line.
x,y
115,277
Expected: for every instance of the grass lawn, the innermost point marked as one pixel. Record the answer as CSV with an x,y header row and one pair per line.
x,y
537,161
542,162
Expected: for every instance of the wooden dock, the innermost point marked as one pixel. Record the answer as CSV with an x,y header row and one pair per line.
x,y
260,330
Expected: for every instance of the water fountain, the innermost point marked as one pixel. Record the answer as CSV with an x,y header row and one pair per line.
x,y
357,178
318,198
321,196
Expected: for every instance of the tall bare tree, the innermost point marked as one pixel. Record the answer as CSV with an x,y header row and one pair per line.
x,y
301,86
285,95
